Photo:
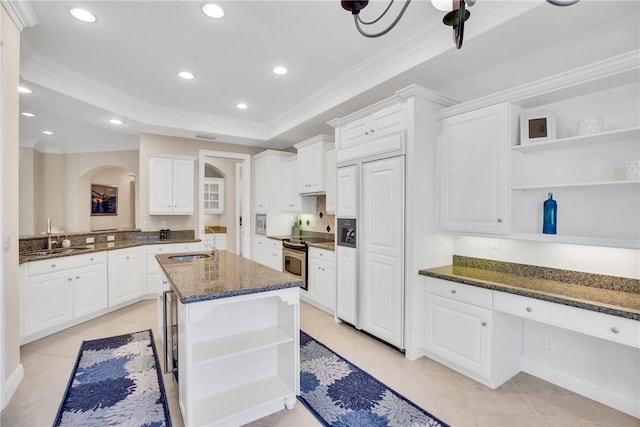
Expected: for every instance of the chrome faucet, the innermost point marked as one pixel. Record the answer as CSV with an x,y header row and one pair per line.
x,y
49,241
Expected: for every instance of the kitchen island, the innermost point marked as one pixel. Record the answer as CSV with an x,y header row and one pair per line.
x,y
238,337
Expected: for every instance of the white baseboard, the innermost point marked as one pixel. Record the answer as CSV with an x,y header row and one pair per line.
x,y
12,383
623,403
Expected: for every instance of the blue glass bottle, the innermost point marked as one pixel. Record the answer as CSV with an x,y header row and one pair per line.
x,y
550,215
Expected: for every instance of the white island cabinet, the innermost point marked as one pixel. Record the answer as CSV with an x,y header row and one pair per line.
x,y
238,339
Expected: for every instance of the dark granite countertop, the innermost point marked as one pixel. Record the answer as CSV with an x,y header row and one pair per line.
x,y
37,255
611,295
221,276
329,245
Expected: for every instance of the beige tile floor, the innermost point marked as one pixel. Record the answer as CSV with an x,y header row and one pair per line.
x,y
457,400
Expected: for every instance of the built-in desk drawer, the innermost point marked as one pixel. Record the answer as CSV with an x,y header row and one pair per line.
x,y
460,292
601,325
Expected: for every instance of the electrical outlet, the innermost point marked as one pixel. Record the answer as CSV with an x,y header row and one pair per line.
x,y
146,224
549,346
111,238
495,245
90,240
163,224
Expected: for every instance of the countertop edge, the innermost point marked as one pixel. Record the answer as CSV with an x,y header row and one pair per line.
x,y
559,299
231,294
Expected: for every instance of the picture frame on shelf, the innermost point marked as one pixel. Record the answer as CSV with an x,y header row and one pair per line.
x,y
537,126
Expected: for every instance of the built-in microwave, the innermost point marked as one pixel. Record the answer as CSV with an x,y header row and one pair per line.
x,y
261,223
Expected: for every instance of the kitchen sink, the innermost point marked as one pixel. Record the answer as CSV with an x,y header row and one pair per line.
x,y
188,257
46,252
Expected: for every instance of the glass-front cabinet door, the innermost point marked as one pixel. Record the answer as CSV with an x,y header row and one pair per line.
x,y
213,195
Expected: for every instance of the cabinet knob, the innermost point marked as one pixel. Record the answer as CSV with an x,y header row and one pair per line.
x,y
499,219
69,278
91,259
615,330
168,206
453,291
373,130
366,133
77,277
529,309
127,257
484,323
53,266
322,268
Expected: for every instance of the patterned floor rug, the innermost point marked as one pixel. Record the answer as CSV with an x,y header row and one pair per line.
x,y
340,394
116,381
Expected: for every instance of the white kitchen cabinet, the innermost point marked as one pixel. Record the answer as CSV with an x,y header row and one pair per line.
x,y
239,357
312,164
291,196
321,279
347,194
48,302
473,151
464,333
171,186
268,181
58,291
360,133
346,284
126,274
155,276
268,252
332,182
213,196
90,290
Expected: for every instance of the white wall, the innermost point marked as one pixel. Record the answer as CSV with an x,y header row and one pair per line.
x,y
588,259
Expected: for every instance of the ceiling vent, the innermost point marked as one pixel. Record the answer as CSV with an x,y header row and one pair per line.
x,y
207,137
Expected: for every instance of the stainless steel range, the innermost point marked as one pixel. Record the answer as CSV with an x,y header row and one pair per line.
x,y
294,256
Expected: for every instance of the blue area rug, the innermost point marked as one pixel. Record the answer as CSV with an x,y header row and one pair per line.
x,y
116,381
340,394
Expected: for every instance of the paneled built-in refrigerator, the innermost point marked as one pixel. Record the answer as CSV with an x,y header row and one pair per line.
x,y
370,276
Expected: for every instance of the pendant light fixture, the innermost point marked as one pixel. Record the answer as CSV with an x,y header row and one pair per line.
x,y
456,17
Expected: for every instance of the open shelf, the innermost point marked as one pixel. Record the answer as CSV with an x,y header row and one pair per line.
x,y
574,185
233,345
214,409
597,138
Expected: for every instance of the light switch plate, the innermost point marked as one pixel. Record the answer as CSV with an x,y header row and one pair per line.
x,y
90,240
111,238
6,245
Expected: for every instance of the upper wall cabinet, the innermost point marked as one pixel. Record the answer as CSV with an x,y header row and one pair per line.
x,y
586,160
268,181
332,181
376,133
171,183
473,158
312,164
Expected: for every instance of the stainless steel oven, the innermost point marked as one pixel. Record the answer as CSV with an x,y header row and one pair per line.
x,y
294,260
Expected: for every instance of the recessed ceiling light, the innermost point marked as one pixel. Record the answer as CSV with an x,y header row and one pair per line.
x,y
242,106
83,15
115,121
186,75
280,70
28,114
47,132
23,89
213,11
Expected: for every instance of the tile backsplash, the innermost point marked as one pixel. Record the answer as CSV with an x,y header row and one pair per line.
x,y
320,221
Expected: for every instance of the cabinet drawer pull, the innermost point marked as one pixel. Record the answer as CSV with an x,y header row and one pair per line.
x,y
484,323
615,330
453,291
529,309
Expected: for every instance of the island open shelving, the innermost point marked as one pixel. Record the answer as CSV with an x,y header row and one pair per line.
x,y
238,339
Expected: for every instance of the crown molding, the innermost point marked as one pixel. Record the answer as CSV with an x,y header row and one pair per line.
x,y
612,71
22,13
425,43
428,94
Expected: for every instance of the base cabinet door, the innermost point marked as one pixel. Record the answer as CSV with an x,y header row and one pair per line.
x,y
459,333
90,290
49,301
126,275
346,287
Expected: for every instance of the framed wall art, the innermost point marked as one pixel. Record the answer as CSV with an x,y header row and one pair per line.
x,y
537,126
104,200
